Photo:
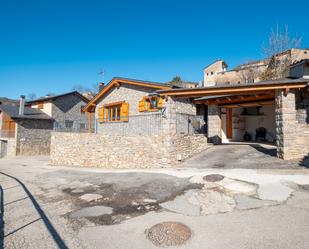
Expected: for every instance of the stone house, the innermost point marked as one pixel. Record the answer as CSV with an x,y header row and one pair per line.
x,y
65,109
24,131
134,127
25,128
218,73
144,124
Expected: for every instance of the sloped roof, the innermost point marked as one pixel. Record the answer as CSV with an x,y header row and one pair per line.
x,y
119,80
51,98
7,101
29,113
236,88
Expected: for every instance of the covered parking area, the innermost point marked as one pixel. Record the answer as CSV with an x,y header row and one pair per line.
x,y
245,117
270,111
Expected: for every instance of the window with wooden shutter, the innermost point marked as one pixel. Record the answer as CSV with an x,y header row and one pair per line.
x,y
160,103
101,115
114,112
152,103
124,112
141,106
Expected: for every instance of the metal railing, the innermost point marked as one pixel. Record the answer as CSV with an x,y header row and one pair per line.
x,y
144,124
76,126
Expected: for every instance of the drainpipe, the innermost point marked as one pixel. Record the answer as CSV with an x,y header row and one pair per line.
x,y
22,105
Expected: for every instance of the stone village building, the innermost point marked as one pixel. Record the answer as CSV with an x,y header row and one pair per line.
x,y
25,128
218,73
144,124
134,127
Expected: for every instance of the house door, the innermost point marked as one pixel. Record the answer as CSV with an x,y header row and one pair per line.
x,y
229,123
3,148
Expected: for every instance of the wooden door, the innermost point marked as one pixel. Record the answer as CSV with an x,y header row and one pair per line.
x,y
229,123
8,126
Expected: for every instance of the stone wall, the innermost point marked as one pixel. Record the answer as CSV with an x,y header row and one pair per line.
x,y
33,137
302,106
10,144
292,135
214,124
140,151
173,109
69,108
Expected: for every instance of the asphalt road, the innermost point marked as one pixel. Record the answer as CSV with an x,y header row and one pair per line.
x,y
53,207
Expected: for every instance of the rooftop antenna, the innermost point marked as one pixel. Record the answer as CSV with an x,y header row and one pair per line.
x,y
102,75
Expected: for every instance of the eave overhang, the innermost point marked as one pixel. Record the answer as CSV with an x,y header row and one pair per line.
x,y
116,82
262,87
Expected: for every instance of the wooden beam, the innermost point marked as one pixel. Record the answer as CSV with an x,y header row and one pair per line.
x,y
250,103
237,100
195,92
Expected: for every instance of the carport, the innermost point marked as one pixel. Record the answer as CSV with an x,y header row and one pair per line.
x,y
245,117
270,111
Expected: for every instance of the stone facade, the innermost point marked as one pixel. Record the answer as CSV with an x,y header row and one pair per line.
x,y
128,93
214,124
163,121
8,145
69,108
33,137
292,135
66,108
139,151
139,122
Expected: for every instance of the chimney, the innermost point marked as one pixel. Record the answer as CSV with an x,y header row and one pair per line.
x,y
101,86
22,105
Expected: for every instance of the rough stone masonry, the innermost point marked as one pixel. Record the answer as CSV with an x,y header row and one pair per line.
x,y
136,151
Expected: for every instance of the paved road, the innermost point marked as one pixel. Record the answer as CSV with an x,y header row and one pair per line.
x,y
245,156
49,207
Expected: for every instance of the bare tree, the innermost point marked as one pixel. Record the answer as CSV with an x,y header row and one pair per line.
x,y
279,62
31,96
248,75
94,89
80,88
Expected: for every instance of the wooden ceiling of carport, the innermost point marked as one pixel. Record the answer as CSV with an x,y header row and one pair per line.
x,y
243,100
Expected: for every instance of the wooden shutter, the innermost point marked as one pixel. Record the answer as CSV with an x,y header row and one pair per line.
x,y
101,114
141,105
160,103
124,112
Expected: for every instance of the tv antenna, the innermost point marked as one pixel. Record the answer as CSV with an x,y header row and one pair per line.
x,y
102,75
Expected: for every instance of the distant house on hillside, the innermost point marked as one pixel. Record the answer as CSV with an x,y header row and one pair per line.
x,y
218,73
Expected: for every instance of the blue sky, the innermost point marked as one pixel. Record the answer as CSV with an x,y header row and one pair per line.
x,y
52,45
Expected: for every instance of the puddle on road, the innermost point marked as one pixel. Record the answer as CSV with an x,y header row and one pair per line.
x,y
125,203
